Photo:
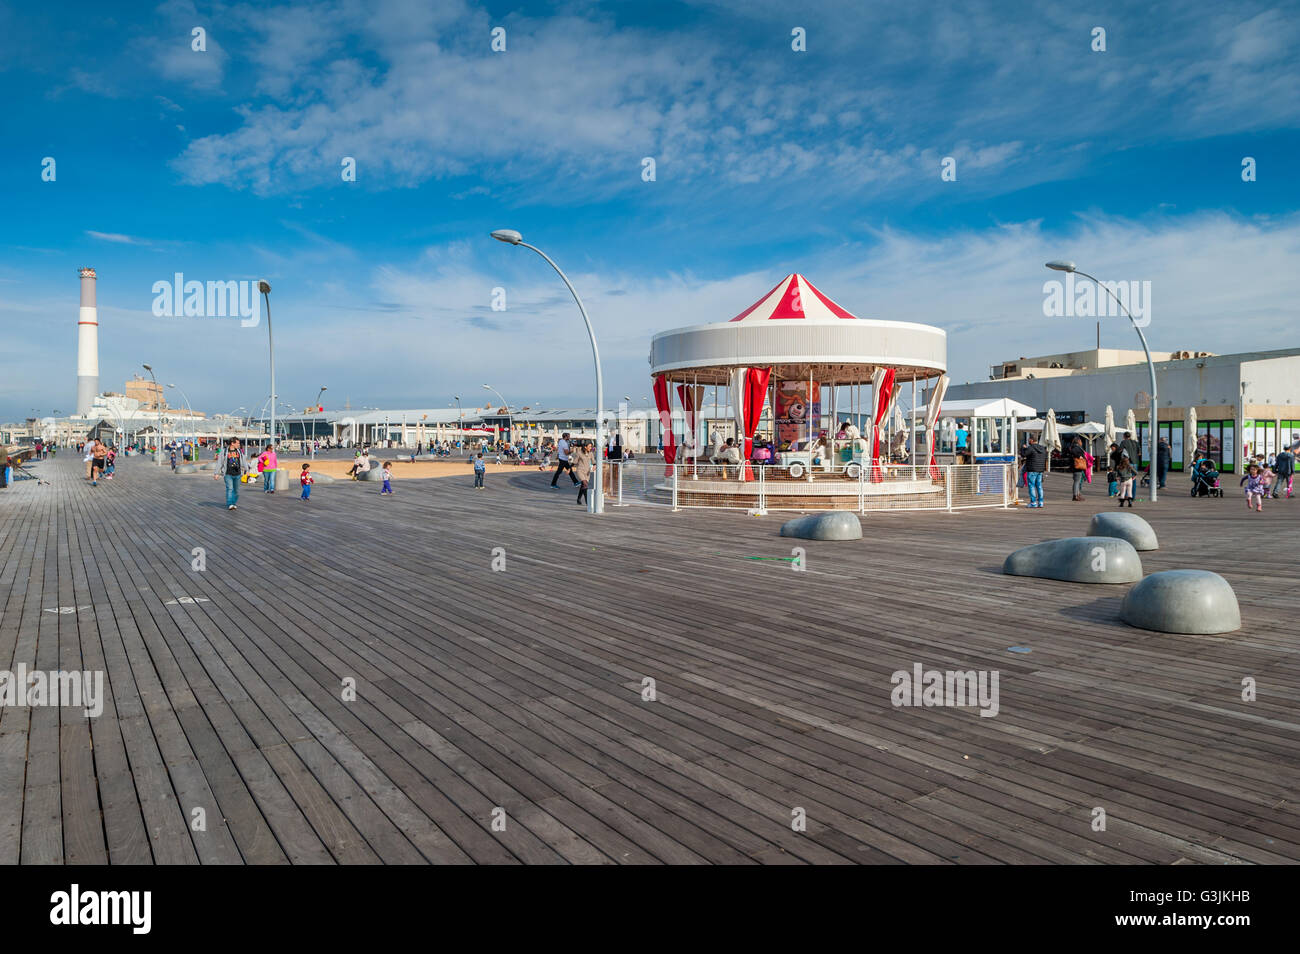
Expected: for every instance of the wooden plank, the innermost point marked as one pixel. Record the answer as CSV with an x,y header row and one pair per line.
x,y
773,688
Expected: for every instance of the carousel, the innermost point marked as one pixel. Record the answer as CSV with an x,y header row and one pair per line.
x,y
823,383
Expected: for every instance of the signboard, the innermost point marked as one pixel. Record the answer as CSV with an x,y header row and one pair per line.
x,y
797,409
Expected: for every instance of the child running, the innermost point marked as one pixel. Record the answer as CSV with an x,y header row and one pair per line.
x,y
306,480
1256,487
387,475
480,468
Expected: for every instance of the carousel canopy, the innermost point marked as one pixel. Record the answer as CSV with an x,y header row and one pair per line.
x,y
799,333
795,298
982,407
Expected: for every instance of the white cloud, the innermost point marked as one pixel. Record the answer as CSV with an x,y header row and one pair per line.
x,y
116,237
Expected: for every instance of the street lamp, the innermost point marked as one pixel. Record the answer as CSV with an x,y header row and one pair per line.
x,y
265,288
460,414
509,417
322,390
1153,436
597,502
193,436
157,444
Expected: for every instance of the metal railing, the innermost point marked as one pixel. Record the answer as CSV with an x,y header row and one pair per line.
x,y
761,488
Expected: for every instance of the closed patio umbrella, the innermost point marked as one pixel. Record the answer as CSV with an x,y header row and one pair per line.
x,y
1189,437
1110,427
1051,438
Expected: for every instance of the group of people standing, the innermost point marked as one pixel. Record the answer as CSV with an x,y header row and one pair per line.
x,y
1122,476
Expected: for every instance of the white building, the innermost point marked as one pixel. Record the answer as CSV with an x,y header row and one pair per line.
x,y
1253,395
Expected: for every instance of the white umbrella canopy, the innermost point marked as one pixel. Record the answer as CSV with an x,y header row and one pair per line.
x,y
1110,426
1189,436
1051,438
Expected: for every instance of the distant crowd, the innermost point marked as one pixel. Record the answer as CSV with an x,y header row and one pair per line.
x,y
1265,475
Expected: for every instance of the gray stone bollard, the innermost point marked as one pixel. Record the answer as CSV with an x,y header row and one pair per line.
x,y
1126,526
1193,602
186,469
1077,560
834,525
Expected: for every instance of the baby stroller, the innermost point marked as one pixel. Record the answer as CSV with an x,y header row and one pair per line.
x,y
1205,483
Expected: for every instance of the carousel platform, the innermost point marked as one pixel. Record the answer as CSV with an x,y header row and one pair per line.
x,y
824,492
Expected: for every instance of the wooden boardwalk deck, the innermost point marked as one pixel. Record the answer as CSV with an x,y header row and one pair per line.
x,y
521,690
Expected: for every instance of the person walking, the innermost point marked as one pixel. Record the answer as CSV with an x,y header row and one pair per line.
x,y
480,468
583,465
563,463
1035,457
1131,447
98,463
267,462
387,475
306,479
1127,478
232,469
1164,458
1078,466
1284,469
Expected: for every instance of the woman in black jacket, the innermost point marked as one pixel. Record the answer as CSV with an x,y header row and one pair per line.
x,y
1078,466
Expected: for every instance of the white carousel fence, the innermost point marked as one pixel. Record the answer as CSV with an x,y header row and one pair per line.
x,y
891,487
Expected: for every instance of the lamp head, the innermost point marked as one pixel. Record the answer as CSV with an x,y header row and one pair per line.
x,y
509,236
264,287
147,368
1061,266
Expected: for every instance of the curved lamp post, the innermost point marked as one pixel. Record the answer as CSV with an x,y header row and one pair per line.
x,y
506,404
189,407
265,288
597,502
1153,436
322,390
460,414
157,444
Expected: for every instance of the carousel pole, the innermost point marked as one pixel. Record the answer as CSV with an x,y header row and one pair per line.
x,y
695,426
911,437
810,423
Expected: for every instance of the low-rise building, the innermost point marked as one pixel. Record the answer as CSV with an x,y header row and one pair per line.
x,y
1245,403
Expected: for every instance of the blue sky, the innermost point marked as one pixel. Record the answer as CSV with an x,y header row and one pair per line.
x,y
225,165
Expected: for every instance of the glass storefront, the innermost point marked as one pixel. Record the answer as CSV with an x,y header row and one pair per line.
x,y
1290,434
1171,431
1214,439
1261,437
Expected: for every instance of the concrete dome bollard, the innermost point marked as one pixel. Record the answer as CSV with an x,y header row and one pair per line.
x,y
1077,560
1192,602
834,525
1125,526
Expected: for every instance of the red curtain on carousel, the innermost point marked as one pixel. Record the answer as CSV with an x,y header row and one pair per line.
x,y
664,406
689,395
756,381
882,408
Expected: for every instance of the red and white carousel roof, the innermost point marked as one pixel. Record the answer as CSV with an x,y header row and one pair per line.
x,y
797,298
798,332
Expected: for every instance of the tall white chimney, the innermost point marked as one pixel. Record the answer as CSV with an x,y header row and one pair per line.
x,y
87,344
